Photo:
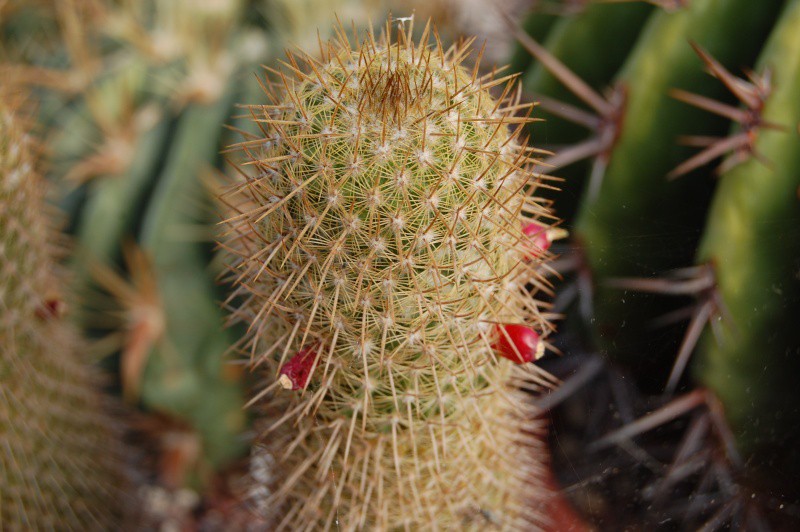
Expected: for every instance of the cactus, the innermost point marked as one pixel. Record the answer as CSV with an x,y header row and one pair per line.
x,y
633,222
62,460
751,241
154,127
643,222
652,232
376,242
570,37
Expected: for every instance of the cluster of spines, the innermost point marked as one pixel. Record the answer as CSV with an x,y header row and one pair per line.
x,y
379,232
61,465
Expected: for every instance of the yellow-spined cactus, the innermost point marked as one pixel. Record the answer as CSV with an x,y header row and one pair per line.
x,y
384,243
61,459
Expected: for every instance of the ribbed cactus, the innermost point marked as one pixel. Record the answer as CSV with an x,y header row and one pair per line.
x,y
380,243
61,460
723,238
752,243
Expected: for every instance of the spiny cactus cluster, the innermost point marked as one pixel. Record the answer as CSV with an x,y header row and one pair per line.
x,y
386,235
380,241
61,465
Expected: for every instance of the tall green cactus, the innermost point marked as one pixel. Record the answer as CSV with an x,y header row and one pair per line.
x,y
640,224
61,465
379,240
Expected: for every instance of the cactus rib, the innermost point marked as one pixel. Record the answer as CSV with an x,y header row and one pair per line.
x,y
751,240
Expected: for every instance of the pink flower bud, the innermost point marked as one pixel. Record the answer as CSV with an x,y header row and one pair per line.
x,y
540,236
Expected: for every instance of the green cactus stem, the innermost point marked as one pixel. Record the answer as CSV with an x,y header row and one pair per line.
x,y
376,241
187,368
752,242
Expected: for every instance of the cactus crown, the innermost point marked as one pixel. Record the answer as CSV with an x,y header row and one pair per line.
x,y
381,230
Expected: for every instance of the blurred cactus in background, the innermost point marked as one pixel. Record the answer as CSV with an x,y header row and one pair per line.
x,y
134,108
63,463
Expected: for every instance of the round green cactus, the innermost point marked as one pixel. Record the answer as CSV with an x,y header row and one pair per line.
x,y
61,463
381,249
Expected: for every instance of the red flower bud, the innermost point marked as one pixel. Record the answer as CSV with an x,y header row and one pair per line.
x,y
51,308
540,236
295,373
524,345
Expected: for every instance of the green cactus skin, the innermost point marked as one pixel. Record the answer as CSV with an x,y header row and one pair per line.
x,y
61,465
187,371
641,224
752,241
378,226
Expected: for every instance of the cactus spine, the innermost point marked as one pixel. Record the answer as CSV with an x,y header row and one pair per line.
x,y
61,457
378,226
